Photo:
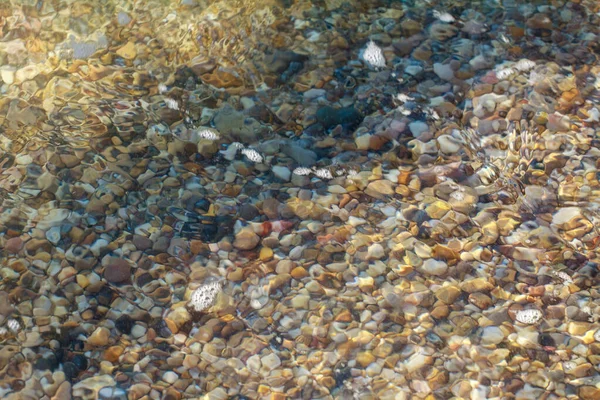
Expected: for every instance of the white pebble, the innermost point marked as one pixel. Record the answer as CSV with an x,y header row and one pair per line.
x,y
524,65
170,377
443,16
172,104
404,97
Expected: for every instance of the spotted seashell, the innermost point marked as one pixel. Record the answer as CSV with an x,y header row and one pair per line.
x,y
13,325
204,296
528,317
252,155
302,171
504,73
209,134
373,55
323,173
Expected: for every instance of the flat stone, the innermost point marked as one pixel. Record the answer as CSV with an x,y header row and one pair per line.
x,y
448,294
434,267
117,271
246,239
142,242
380,189
13,245
491,335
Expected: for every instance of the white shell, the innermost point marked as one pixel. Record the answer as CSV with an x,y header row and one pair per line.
x,y
204,297
207,133
505,73
323,173
373,55
528,316
566,278
252,155
302,171
13,325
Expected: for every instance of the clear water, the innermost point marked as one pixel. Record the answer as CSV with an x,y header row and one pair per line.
x,y
295,199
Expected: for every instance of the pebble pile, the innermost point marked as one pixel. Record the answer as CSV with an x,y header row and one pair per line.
x,y
292,199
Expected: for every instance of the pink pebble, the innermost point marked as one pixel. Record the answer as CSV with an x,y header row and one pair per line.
x,y
13,245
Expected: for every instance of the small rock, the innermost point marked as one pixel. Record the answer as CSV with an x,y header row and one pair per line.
x,y
117,270
246,239
491,335
99,337
282,173
434,267
270,361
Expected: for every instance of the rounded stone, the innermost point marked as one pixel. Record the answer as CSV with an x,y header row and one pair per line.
x,y
117,271
246,239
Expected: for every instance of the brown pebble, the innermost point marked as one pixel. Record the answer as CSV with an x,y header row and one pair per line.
x,y
113,353
13,245
141,242
299,273
480,300
117,270
99,337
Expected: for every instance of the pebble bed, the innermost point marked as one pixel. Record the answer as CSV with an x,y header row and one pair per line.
x,y
291,199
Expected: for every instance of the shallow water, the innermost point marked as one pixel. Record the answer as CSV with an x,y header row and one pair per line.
x,y
304,200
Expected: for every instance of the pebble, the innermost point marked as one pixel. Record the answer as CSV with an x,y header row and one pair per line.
x,y
99,337
117,270
246,239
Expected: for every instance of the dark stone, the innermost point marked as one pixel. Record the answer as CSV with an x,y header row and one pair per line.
x,y
124,324
117,270
80,362
419,217
105,296
331,117
71,370
202,205
143,279
248,212
162,244
547,340
48,362
160,327
142,242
